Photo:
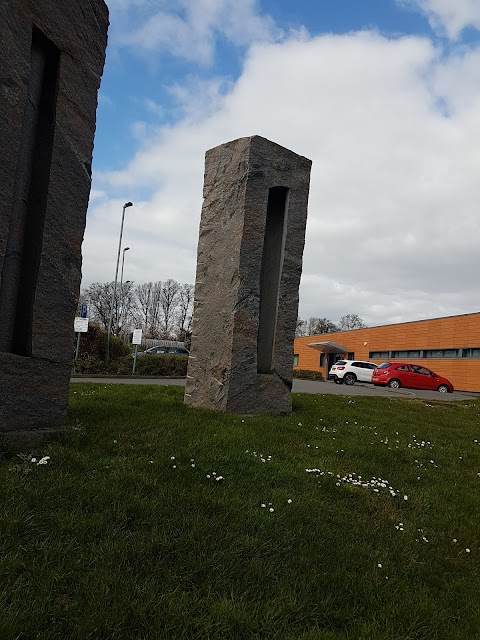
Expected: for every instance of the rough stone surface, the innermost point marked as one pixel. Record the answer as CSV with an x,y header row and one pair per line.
x,y
51,61
240,304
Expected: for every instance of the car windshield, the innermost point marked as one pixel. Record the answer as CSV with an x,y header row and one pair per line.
x,y
340,362
385,365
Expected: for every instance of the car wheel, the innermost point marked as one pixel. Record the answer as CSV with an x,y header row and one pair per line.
x,y
394,384
349,378
443,388
338,381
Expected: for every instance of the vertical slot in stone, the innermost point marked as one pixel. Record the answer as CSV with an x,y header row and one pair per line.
x,y
271,271
24,244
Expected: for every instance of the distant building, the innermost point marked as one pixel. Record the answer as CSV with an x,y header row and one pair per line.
x,y
449,346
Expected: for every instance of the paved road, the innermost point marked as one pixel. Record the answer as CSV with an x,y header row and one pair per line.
x,y
308,386
363,389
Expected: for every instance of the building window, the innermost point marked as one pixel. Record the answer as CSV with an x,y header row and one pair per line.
x,y
322,359
406,354
379,355
351,355
471,353
441,353
295,360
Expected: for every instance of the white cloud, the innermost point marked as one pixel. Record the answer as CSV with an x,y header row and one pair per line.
x,y
393,227
154,108
197,99
448,16
139,130
456,82
189,28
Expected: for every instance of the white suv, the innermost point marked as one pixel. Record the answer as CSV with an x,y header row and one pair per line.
x,y
349,371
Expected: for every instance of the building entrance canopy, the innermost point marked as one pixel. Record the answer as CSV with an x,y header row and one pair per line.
x,y
327,347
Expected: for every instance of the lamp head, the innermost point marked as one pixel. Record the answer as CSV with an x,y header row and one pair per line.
x,y
126,249
128,204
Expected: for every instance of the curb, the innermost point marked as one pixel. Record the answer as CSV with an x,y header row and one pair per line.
x,y
126,377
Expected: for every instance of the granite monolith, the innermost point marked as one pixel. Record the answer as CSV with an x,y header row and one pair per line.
x,y
52,56
252,235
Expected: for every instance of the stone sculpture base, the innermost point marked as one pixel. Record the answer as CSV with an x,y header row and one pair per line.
x,y
34,398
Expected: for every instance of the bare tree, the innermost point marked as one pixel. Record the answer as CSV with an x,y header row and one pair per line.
x,y
351,321
127,306
168,303
148,297
300,328
99,297
185,310
154,327
143,293
315,326
162,309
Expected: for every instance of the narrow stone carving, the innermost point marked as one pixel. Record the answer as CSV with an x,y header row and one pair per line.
x,y
252,234
51,62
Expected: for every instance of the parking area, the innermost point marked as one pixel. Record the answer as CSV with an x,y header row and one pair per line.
x,y
307,386
365,389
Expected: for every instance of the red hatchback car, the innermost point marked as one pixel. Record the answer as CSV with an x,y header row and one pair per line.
x,y
411,376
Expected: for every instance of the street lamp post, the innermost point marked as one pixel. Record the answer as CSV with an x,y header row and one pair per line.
x,y
123,264
121,291
123,316
107,355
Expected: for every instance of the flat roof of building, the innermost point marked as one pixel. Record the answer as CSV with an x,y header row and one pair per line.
x,y
394,324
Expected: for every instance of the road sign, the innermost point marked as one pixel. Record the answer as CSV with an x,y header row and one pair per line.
x,y
137,336
80,325
83,311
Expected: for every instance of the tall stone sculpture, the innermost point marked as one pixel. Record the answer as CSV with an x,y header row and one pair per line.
x,y
51,60
252,234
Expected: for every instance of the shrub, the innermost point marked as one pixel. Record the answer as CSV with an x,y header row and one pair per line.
x,y
304,374
89,341
94,343
162,366
88,363
171,366
122,366
118,348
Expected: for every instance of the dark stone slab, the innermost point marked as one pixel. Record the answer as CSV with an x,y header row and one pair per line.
x,y
51,61
252,234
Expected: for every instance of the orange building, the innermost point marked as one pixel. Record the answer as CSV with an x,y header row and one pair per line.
x,y
449,346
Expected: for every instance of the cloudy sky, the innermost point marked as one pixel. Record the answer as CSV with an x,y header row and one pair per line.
x,y
382,95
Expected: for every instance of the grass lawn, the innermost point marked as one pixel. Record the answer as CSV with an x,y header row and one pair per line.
x,y
128,532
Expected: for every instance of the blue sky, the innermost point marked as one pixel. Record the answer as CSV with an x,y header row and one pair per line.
x,y
382,95
129,76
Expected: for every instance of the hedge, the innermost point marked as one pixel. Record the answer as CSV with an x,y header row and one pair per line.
x,y
308,375
161,366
